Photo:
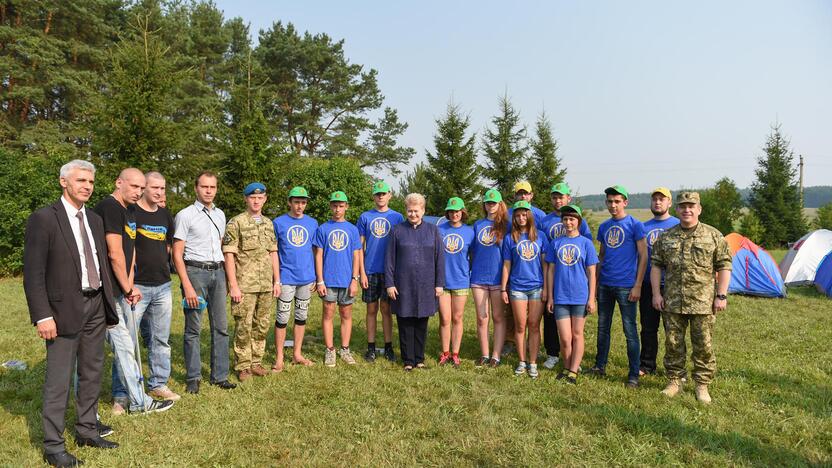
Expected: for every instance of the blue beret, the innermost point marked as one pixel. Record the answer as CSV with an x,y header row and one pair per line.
x,y
254,187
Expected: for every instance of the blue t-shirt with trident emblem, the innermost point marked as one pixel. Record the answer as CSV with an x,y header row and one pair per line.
x,y
571,256
486,258
526,259
457,241
294,249
375,227
619,238
338,240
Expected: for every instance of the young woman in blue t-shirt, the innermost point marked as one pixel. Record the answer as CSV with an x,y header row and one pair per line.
x,y
486,273
456,240
522,283
570,278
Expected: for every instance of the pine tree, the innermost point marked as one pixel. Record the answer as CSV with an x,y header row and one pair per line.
x,y
544,167
504,149
775,196
452,167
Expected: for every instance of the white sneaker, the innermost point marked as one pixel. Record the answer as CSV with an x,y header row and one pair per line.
x,y
533,371
164,393
329,358
346,355
520,369
551,361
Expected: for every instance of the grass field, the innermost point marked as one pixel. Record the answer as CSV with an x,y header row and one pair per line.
x,y
772,405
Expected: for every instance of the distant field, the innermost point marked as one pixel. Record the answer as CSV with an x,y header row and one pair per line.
x,y
772,405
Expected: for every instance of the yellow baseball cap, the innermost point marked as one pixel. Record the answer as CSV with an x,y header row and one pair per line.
x,y
662,190
522,185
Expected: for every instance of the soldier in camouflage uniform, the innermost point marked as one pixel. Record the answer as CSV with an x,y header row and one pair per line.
x,y
253,274
690,254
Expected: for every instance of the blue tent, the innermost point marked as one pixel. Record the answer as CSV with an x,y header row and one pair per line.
x,y
754,271
823,275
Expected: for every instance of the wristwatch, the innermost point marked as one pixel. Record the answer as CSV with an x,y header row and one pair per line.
x,y
722,296
356,278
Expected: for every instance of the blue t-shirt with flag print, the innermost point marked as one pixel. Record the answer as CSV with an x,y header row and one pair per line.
x,y
571,257
486,257
338,240
375,227
552,226
619,238
526,257
294,249
457,242
652,230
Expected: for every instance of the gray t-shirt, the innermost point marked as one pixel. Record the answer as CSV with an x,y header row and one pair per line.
x,y
202,229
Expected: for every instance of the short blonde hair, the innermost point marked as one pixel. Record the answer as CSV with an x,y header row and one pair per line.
x,y
414,199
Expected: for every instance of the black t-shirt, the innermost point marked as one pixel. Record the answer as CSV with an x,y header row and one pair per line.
x,y
154,233
119,220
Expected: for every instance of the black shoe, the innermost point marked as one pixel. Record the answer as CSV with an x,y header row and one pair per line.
x,y
192,386
631,383
225,385
156,406
597,371
389,354
370,355
104,430
61,459
96,442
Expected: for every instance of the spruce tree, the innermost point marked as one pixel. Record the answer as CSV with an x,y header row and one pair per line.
x,y
452,166
775,196
504,149
544,167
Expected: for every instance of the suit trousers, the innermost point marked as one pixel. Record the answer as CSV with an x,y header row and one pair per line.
x,y
412,334
61,353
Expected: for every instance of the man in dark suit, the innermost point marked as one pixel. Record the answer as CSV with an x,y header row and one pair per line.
x,y
68,287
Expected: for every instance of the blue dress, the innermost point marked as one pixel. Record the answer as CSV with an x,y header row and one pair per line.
x,y
415,265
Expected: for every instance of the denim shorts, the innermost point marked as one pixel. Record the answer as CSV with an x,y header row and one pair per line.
x,y
339,295
565,311
531,295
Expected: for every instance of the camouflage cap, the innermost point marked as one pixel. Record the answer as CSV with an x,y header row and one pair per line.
x,y
254,187
573,210
617,190
522,204
687,197
561,188
455,204
493,196
338,196
380,187
298,192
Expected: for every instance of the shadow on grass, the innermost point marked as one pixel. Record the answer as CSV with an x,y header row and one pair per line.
x,y
782,389
740,448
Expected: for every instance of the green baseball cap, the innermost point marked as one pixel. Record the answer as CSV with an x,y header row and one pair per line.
x,y
380,187
455,204
617,190
298,192
522,204
338,196
561,188
571,209
492,195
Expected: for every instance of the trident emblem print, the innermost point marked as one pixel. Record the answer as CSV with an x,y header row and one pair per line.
x,y
379,227
487,237
297,236
615,237
527,250
569,254
653,236
338,240
453,243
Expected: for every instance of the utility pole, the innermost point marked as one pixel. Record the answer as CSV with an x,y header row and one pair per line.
x,y
801,181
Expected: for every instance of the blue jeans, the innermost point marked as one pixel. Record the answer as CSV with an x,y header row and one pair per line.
x,y
210,284
607,297
155,312
127,377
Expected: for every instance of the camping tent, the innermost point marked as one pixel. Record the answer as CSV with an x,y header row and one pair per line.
x,y
823,277
802,260
754,271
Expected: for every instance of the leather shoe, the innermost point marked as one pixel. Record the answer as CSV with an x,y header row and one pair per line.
x,y
61,459
192,386
96,442
225,385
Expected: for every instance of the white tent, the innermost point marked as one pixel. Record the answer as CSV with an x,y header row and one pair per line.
x,y
801,262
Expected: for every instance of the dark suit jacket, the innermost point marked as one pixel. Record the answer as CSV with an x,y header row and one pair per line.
x,y
52,269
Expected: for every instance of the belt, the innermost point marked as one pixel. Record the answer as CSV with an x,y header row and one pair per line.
x,y
90,292
204,265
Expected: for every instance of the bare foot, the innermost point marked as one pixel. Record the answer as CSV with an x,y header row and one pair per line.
x,y
278,366
302,361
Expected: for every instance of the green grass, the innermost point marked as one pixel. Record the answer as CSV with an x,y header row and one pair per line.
x,y
772,405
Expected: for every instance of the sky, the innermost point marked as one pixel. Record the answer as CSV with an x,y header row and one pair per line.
x,y
639,93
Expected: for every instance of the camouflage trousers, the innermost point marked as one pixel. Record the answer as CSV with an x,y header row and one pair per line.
x,y
702,355
253,318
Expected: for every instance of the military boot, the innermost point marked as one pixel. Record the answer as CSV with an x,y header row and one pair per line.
x,y
674,387
702,394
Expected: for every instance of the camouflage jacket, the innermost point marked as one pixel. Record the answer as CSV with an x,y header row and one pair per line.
x,y
690,258
251,242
